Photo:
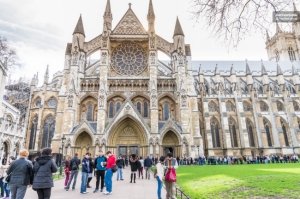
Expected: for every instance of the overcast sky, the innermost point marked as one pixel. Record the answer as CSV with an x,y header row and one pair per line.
x,y
40,29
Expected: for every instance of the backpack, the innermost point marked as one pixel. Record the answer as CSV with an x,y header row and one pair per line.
x,y
74,165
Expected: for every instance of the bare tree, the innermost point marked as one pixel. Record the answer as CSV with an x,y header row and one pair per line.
x,y
7,55
234,19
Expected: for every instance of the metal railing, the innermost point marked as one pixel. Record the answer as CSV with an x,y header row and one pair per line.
x,y
180,194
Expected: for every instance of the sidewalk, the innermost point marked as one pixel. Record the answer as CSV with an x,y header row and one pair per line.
x,y
142,189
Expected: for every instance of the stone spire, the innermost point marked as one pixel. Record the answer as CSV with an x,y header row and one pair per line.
x,y
108,16
295,8
279,71
232,71
248,71
263,69
217,72
151,17
79,27
46,76
178,29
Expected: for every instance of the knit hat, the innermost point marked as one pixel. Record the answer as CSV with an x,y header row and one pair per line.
x,y
23,153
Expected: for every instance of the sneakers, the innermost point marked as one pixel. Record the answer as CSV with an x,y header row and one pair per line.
x,y
84,192
107,193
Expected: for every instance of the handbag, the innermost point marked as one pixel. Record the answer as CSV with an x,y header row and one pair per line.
x,y
7,178
170,174
114,168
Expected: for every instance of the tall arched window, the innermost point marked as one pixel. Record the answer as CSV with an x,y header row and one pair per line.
x,y
215,133
291,54
111,110
166,111
277,56
213,107
250,133
279,106
48,131
118,106
146,112
90,112
263,106
33,132
284,131
139,107
268,132
247,106
230,106
233,134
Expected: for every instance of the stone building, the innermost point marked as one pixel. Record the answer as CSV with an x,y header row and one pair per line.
x,y
129,101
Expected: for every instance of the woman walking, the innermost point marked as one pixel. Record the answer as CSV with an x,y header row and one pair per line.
x,y
159,175
67,170
20,172
43,169
141,168
134,164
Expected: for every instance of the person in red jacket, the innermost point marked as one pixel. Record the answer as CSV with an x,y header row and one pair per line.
x,y
111,162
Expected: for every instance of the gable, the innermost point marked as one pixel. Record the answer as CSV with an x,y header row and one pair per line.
x,y
129,25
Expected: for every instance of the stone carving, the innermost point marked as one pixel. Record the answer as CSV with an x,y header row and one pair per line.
x,y
103,141
152,58
104,58
129,25
102,94
70,101
153,94
152,41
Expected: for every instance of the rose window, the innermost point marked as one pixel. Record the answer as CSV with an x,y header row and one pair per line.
x,y
129,59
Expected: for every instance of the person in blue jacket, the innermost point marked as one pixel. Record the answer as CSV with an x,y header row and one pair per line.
x,y
99,166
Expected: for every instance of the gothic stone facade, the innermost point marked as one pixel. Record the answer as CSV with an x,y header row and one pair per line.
x,y
128,101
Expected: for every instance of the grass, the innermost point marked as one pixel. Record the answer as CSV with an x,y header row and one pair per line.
x,y
272,181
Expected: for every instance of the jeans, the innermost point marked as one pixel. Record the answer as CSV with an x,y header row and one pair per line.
x,y
100,176
2,187
147,169
84,178
18,191
74,174
44,193
120,174
6,189
108,180
159,186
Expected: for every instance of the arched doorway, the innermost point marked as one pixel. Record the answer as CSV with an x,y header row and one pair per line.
x,y
170,144
84,144
127,138
5,153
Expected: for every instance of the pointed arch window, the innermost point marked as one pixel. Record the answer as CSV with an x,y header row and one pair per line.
x,y
52,102
48,131
111,110
284,131
279,106
249,126
291,53
166,111
268,132
213,107
263,106
215,133
90,112
296,106
139,107
33,132
230,106
233,134
118,106
38,102
247,106
146,111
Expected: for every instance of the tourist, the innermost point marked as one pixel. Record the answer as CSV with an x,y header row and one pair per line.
x,y
111,162
20,172
159,175
141,168
121,164
74,164
170,163
100,171
4,185
2,173
148,164
43,169
90,174
134,164
67,170
84,173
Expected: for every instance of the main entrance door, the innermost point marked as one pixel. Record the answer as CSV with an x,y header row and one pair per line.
x,y
128,138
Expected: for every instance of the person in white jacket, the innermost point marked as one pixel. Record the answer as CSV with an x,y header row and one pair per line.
x,y
159,175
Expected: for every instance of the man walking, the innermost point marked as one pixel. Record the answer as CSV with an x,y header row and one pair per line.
x,y
148,164
121,164
74,165
111,162
85,173
100,161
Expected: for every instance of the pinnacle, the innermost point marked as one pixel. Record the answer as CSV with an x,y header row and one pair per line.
x,y
79,27
178,29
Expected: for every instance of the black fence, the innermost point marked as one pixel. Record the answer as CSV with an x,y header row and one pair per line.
x,y
181,195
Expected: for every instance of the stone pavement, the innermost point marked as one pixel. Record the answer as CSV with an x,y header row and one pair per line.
x,y
142,189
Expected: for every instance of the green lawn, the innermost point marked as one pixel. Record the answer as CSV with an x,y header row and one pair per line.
x,y
240,181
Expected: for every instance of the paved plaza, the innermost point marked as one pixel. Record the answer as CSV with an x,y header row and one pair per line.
x,y
142,189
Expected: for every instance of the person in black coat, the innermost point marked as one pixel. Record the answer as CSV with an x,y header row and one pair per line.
x,y
135,165
43,169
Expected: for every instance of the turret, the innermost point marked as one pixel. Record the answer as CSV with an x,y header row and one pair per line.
x,y
232,74
107,17
78,36
201,75
46,76
178,37
264,74
249,78
151,18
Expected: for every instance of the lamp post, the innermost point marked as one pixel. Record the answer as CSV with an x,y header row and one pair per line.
x,y
62,153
